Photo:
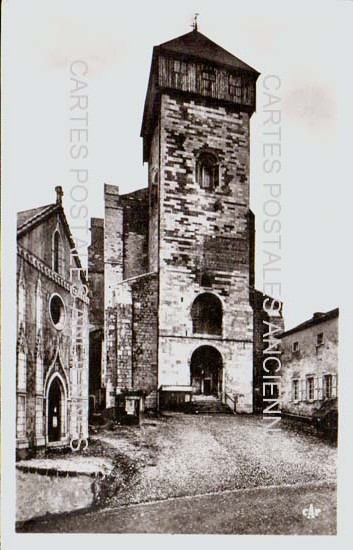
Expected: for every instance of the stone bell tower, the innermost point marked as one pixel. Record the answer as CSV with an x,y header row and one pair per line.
x,y
196,141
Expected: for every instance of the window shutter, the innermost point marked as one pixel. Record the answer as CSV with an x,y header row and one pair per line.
x,y
320,388
316,388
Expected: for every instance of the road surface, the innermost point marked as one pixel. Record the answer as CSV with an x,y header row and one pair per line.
x,y
264,510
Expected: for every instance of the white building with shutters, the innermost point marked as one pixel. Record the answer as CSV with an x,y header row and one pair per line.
x,y
309,367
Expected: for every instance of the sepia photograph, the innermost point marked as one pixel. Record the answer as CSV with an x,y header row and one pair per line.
x,y
171,325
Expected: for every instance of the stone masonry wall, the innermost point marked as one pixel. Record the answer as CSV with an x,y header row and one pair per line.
x,y
111,350
135,227
205,231
154,197
144,339
113,243
175,361
96,272
137,336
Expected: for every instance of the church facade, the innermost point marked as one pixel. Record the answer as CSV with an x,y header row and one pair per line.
x,y
171,266
52,332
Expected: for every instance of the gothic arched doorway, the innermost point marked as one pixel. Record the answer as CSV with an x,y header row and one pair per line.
x,y
206,371
55,410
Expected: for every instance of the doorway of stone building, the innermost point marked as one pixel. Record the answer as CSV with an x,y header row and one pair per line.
x,y
54,410
206,371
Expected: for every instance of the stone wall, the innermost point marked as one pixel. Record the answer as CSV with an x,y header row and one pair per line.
x,y
154,198
96,273
111,350
113,243
144,336
137,336
175,361
135,232
203,231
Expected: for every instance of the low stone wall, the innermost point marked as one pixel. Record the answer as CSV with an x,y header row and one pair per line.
x,y
54,486
39,494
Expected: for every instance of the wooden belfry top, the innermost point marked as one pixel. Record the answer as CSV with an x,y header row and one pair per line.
x,y
194,44
194,65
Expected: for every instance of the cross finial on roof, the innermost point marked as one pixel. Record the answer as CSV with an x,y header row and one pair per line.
x,y
194,23
59,194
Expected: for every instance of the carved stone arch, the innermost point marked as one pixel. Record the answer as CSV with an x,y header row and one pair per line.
x,y
56,407
56,367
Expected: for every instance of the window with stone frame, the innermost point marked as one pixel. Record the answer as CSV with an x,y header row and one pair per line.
x,y
320,339
57,311
207,171
295,347
207,313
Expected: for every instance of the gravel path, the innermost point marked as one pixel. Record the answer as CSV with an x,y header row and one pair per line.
x,y
188,455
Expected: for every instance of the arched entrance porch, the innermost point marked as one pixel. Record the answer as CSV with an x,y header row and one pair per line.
x,y
206,371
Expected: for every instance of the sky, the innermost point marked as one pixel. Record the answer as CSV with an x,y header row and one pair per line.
x,y
298,43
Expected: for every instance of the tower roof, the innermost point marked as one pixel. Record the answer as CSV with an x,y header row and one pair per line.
x,y
195,44
196,50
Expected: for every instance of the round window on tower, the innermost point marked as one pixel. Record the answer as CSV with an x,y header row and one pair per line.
x,y
57,311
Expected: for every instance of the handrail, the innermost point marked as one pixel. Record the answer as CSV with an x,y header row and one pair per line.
x,y
225,397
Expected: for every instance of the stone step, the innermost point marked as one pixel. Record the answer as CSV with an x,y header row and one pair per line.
x,y
211,406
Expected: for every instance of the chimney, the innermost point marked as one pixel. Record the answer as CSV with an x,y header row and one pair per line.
x,y
59,194
318,314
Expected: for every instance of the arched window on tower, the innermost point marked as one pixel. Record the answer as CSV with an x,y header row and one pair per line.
x,y
207,171
206,313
